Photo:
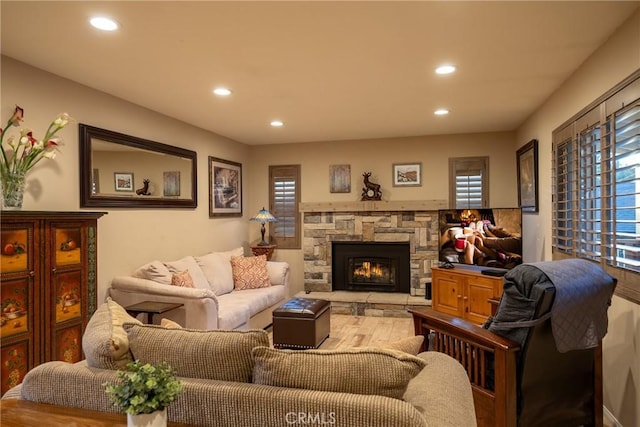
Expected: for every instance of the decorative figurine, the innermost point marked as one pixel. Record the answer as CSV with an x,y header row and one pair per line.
x,y
144,191
371,191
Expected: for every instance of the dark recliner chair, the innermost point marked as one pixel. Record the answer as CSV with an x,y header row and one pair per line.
x,y
518,375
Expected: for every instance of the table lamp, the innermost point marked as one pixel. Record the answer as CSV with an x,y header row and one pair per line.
x,y
263,216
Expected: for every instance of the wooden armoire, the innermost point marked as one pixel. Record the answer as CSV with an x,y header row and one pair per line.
x,y
48,280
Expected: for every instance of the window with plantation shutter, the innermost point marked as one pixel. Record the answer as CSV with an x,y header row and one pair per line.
x,y
284,197
469,182
596,185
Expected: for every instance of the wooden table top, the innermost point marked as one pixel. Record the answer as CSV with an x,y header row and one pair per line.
x,y
20,413
153,307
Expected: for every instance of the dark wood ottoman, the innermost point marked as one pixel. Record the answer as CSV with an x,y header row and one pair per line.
x,y
301,323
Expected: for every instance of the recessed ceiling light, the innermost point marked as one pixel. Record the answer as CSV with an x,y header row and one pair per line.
x,y
277,123
222,91
104,23
441,112
445,69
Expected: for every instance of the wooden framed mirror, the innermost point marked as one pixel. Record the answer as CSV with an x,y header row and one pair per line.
x,y
118,170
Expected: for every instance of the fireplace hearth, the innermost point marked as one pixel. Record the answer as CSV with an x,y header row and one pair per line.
x,y
371,266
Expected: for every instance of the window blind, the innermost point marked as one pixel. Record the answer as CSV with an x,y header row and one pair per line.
x,y
283,204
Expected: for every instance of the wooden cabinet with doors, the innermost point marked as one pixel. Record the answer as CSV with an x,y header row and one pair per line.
x,y
48,279
464,292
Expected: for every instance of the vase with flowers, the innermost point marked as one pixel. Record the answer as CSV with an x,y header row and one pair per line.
x,y
23,153
144,392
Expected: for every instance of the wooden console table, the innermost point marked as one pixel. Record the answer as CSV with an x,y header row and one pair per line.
x,y
464,292
21,413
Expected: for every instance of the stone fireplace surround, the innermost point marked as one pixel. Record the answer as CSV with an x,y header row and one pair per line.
x,y
415,222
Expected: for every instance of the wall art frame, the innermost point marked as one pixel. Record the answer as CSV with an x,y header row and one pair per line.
x,y
225,188
123,181
407,174
527,164
340,178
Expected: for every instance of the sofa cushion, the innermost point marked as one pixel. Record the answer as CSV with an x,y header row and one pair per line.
x,y
215,355
411,345
169,324
156,271
182,279
360,371
105,342
250,272
189,264
216,267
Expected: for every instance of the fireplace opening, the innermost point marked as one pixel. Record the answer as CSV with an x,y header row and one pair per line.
x,y
371,266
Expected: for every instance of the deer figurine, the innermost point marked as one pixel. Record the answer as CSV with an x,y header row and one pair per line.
x,y
371,191
144,191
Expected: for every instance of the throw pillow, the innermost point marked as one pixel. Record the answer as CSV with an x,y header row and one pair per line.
x,y
105,342
189,263
409,345
214,355
183,279
156,271
169,324
250,272
359,371
216,267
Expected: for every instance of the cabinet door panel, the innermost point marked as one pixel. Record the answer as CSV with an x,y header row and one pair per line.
x,y
15,364
15,249
447,294
67,301
67,345
17,307
67,242
477,306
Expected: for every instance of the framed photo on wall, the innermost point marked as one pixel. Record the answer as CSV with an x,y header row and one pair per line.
x,y
527,161
225,188
123,181
407,174
171,184
340,178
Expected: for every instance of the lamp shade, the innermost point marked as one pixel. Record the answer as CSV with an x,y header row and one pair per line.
x,y
263,216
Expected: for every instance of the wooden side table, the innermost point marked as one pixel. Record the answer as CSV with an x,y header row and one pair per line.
x,y
263,250
150,308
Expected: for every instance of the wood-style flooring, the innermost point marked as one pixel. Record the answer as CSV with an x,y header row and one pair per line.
x,y
365,331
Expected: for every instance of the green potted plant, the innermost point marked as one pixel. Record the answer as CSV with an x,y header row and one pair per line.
x,y
144,391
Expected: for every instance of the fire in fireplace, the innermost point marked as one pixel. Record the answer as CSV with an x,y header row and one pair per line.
x,y
371,266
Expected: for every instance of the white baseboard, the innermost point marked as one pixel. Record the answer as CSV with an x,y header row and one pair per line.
x,y
612,421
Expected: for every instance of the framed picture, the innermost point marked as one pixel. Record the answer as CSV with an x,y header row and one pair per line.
x,y
171,182
123,181
225,188
340,178
527,161
407,174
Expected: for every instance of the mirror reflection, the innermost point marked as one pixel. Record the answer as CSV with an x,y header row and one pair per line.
x,y
125,171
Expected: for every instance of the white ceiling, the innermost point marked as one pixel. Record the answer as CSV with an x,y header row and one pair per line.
x,y
329,70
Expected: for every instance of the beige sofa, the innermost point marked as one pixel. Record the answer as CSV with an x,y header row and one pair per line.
x,y
233,378
214,302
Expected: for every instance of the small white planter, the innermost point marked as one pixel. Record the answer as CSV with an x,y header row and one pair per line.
x,y
155,419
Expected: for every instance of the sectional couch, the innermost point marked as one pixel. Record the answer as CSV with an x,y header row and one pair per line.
x,y
216,294
234,378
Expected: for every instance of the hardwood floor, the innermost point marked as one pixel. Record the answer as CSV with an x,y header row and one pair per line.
x,y
363,331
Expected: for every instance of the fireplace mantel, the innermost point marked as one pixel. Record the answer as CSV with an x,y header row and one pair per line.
x,y
374,206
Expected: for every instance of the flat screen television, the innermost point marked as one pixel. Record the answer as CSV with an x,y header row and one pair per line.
x,y
483,237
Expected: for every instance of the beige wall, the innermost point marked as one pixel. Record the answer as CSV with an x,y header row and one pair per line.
x,y
378,156
127,238
616,59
